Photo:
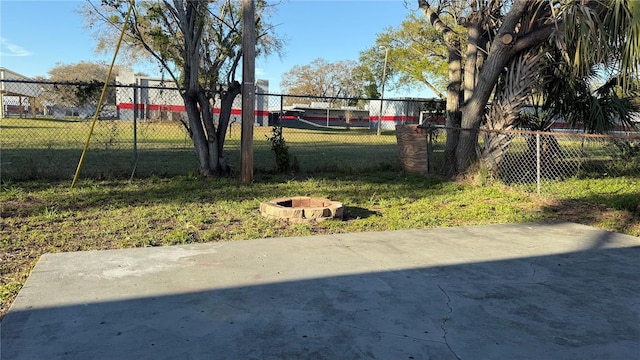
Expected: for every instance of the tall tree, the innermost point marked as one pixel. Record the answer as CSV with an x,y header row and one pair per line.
x,y
509,39
417,57
597,102
198,44
447,22
322,78
88,79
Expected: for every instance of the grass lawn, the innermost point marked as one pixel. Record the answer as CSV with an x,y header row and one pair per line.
x,y
165,207
40,217
50,149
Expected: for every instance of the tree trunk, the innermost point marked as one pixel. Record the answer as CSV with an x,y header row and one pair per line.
x,y
453,115
514,90
198,135
207,139
461,147
465,144
226,104
473,110
201,127
496,144
470,69
213,156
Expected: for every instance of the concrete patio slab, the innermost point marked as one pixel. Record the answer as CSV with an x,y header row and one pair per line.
x,y
521,291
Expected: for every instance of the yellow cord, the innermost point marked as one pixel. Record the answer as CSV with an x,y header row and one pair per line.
x,y
104,90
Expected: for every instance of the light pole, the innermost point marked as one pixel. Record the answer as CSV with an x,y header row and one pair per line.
x,y
384,79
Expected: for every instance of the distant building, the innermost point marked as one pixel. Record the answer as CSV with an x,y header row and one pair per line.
x,y
15,97
318,115
159,99
394,112
401,111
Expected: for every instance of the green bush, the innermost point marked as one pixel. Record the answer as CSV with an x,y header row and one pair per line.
x,y
280,149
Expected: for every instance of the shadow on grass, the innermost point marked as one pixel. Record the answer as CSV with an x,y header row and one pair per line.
x,y
116,162
99,164
17,127
351,189
355,212
351,174
45,120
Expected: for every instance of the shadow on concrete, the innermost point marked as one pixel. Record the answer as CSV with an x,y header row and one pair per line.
x,y
581,304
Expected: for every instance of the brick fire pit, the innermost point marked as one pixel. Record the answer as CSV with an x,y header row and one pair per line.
x,y
302,208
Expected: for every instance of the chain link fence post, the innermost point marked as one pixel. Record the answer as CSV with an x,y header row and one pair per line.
x,y
538,164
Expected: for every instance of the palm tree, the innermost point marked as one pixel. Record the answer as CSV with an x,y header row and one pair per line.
x,y
514,90
588,35
602,36
583,32
579,103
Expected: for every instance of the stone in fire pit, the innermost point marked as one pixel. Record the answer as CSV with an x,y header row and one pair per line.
x,y
302,208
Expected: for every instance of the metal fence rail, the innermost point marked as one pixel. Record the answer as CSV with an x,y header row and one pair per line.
x,y
44,126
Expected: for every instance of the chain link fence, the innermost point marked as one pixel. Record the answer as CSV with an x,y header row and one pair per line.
x,y
140,133
536,161
45,126
346,134
543,160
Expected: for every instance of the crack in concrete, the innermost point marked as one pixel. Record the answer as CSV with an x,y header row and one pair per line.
x,y
533,269
503,282
337,323
446,318
374,331
341,244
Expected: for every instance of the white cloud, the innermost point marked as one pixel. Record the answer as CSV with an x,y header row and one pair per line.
x,y
9,49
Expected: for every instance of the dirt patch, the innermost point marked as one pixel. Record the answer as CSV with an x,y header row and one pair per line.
x,y
11,208
593,214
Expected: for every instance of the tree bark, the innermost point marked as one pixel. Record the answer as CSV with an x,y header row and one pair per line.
x,y
470,69
198,135
203,132
474,108
226,104
481,75
453,114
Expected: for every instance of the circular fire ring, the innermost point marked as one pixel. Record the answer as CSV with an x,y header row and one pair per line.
x,y
302,208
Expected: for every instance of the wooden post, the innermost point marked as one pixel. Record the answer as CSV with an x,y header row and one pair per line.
x,y
248,89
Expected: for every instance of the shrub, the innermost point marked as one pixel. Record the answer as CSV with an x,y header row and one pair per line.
x,y
280,149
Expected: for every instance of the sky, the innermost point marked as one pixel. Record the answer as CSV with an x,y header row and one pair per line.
x,y
35,35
